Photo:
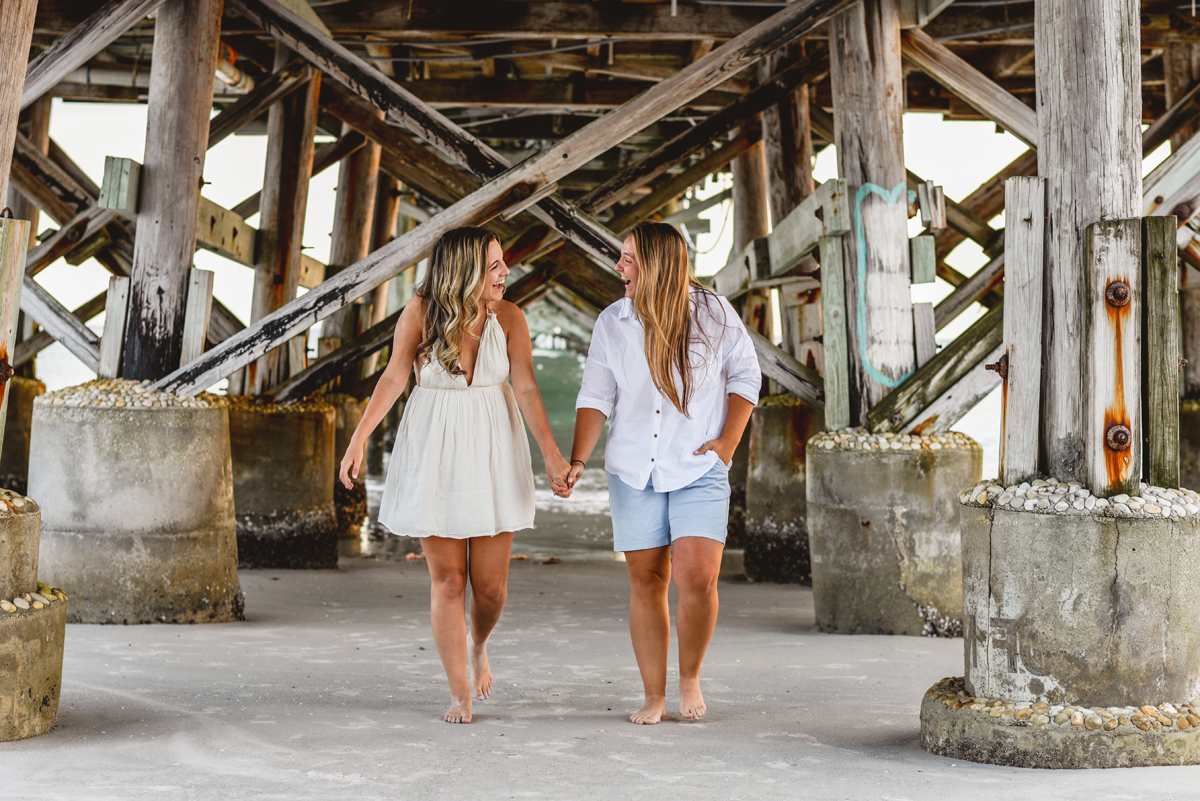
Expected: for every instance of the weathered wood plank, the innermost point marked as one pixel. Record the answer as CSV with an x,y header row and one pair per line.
x,y
736,114
803,382
987,278
45,183
917,392
337,362
182,73
1024,240
787,137
1087,70
112,339
31,347
324,157
834,342
221,231
198,313
940,414
1161,352
514,186
81,228
923,256
79,46
14,241
60,324
1112,342
269,91
978,90
119,188
924,333
867,83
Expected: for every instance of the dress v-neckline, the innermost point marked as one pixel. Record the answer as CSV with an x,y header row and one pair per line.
x,y
487,321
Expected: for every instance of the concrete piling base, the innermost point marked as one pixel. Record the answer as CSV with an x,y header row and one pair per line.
x,y
31,658
349,504
776,536
283,474
883,525
14,458
137,507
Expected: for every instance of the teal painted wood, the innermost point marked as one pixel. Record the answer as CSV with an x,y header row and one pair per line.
x,y
833,317
1161,351
923,255
119,187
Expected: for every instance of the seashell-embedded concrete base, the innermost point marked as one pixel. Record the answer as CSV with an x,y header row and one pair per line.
x,y
883,527
350,504
1020,734
31,658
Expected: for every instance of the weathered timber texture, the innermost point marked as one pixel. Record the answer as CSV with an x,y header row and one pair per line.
x,y
985,279
779,88
787,137
1024,241
39,136
112,340
271,90
198,313
923,256
1181,73
45,183
79,46
978,90
752,224
1112,336
59,323
545,167
119,188
865,70
291,126
1089,152
324,157
940,373
833,318
803,382
1161,351
181,85
943,412
14,240
924,332
337,363
31,347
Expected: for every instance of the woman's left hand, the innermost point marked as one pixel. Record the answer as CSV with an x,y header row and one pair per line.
x,y
720,447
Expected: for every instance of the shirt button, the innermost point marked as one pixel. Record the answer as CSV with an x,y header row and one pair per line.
x,y
656,436
656,411
652,458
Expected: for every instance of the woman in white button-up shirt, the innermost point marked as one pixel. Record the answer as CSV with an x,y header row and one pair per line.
x,y
674,372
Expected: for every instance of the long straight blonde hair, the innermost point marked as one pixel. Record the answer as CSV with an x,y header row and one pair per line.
x,y
663,304
451,290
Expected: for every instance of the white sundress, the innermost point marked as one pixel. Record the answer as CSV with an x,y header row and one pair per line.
x,y
461,466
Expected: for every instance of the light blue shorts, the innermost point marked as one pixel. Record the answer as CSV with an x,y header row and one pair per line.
x,y
643,518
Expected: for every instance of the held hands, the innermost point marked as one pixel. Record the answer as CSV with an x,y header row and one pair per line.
x,y
724,450
576,471
557,470
351,464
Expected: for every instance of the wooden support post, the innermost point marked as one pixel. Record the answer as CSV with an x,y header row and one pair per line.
x,y
868,98
508,189
924,332
324,157
387,216
834,343
112,339
38,116
198,313
181,85
787,137
1021,371
291,126
1160,351
353,218
14,241
1181,73
751,222
923,255
1088,68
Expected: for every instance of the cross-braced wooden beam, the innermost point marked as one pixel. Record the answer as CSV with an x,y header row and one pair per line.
x,y
515,187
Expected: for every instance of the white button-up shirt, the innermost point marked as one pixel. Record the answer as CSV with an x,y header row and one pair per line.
x,y
648,438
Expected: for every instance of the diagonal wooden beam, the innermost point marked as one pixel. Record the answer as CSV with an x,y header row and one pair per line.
x,y
324,157
714,127
59,323
267,93
79,46
976,89
515,187
26,350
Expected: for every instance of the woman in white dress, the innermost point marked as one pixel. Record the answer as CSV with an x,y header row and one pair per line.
x,y
460,475
673,371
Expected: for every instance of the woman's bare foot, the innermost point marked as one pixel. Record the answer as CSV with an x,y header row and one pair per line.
x,y
459,711
481,672
651,712
691,701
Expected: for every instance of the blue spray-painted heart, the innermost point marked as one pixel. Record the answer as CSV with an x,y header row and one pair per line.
x,y
860,238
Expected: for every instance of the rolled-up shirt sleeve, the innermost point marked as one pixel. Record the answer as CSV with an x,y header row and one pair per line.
x,y
599,386
743,376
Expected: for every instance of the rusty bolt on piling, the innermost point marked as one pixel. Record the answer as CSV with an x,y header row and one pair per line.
x,y
1000,367
1118,437
1118,294
6,214
895,418
6,371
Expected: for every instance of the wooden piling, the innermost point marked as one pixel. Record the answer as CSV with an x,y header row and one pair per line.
x,y
116,310
1024,240
867,85
291,125
14,240
834,338
1160,351
16,33
1090,153
181,89
751,221
1112,341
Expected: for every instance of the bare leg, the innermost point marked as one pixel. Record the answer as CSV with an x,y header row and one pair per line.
x,y
697,566
650,626
488,565
447,559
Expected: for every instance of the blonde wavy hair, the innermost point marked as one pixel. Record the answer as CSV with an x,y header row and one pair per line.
x,y
452,289
663,304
